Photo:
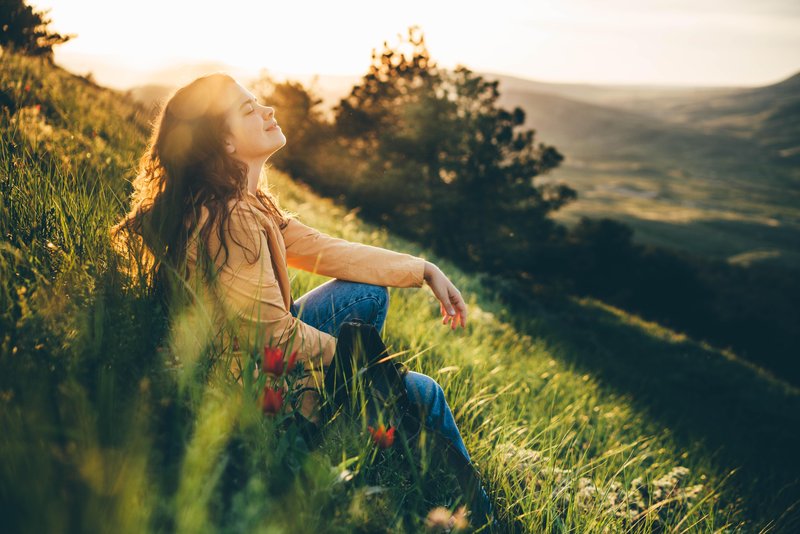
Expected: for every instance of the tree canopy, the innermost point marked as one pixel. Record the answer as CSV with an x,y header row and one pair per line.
x,y
25,30
436,157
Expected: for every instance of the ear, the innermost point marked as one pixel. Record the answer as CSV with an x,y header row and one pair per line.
x,y
229,148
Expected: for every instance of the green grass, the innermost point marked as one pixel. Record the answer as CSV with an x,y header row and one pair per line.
x,y
582,418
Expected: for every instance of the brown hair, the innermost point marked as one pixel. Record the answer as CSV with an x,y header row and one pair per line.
x,y
184,167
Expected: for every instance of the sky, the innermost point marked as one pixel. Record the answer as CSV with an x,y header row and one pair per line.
x,y
658,42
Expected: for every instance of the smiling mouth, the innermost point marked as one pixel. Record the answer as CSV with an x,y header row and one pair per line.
x,y
273,127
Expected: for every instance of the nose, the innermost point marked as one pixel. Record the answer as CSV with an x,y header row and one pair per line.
x,y
268,111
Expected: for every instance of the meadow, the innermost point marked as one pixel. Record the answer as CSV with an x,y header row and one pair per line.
x,y
581,417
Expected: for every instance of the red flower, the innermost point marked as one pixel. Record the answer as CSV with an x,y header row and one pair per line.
x,y
383,438
272,402
273,361
292,362
27,87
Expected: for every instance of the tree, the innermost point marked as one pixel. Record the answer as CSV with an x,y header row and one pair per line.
x,y
434,156
25,30
378,127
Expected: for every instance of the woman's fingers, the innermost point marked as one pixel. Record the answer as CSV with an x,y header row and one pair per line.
x,y
460,308
452,315
451,304
447,318
445,315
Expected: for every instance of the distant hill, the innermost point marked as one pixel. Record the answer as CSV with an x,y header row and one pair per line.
x,y
150,95
634,97
768,115
716,179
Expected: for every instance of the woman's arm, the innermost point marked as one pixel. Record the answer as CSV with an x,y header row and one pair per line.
x,y
314,251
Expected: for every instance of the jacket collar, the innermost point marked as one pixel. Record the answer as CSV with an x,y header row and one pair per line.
x,y
277,250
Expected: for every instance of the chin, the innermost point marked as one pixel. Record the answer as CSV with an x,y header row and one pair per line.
x,y
276,148
280,144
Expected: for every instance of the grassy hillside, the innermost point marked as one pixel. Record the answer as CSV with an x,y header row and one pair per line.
x,y
583,418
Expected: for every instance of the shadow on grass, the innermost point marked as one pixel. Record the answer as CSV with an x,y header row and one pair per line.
x,y
741,417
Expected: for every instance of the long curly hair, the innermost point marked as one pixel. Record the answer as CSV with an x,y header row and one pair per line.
x,y
185,167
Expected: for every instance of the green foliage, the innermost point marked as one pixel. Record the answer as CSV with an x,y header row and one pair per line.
x,y
25,30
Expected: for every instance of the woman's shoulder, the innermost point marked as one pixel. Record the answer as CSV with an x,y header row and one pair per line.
x,y
237,218
237,207
245,211
241,235
270,210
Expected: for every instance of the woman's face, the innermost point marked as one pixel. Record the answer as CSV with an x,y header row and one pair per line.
x,y
254,133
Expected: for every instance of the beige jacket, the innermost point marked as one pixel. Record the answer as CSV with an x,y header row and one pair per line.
x,y
254,285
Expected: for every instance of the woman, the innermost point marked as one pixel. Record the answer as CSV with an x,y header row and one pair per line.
x,y
198,207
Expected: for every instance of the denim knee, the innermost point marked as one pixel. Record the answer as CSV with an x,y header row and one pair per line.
x,y
379,293
382,294
428,395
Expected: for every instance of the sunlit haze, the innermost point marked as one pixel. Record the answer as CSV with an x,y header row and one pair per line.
x,y
678,42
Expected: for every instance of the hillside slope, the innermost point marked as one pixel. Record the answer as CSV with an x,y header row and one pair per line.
x,y
767,115
678,184
583,418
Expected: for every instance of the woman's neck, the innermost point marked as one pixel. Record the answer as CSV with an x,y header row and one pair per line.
x,y
252,181
254,169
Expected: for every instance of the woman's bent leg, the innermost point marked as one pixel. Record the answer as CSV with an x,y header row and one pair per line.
x,y
336,301
329,305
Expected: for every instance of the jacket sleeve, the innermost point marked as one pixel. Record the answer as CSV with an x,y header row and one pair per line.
x,y
314,251
250,292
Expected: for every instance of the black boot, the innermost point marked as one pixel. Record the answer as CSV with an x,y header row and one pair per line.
x,y
472,487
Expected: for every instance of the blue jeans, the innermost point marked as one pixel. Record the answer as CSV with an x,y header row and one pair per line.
x,y
329,305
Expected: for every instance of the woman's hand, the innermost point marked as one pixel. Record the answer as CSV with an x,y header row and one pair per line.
x,y
451,304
